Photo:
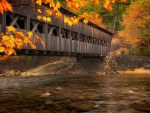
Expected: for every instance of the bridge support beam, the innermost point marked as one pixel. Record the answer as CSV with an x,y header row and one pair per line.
x,y
3,22
78,58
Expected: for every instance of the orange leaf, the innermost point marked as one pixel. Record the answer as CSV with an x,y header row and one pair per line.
x,y
39,17
123,1
5,6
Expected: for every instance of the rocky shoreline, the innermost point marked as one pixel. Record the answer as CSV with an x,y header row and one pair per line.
x,y
69,65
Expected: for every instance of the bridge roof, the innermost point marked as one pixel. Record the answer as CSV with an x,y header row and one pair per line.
x,y
65,11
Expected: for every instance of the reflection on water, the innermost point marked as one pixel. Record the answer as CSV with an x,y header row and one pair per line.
x,y
81,94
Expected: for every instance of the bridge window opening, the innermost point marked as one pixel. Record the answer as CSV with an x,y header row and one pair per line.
x,y
31,26
104,43
94,40
65,33
40,27
8,20
107,44
74,36
21,22
89,39
99,41
55,31
36,26
82,38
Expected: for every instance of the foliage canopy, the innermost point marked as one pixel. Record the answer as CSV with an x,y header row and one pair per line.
x,y
136,22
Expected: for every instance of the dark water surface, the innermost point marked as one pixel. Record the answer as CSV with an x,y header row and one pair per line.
x,y
75,94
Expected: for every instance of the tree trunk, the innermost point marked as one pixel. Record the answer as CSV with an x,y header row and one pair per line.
x,y
115,18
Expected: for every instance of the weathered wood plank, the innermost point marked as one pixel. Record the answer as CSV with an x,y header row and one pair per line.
x,y
49,43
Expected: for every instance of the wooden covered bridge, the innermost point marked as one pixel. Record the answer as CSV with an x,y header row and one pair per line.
x,y
59,38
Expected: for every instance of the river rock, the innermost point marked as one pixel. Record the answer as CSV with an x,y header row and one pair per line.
x,y
143,106
58,88
48,102
84,106
18,73
92,72
147,66
45,94
12,72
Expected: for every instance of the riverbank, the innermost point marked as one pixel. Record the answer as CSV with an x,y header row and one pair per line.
x,y
136,71
34,66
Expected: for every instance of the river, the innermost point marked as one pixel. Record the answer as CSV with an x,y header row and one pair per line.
x,y
75,94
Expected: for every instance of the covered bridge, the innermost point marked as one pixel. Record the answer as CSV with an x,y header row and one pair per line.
x,y
60,39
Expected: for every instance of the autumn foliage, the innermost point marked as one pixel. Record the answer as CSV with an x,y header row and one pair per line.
x,y
5,6
136,22
15,40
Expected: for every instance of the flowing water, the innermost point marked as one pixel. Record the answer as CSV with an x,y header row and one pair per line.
x,y
75,94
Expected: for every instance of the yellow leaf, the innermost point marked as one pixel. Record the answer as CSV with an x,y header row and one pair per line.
x,y
48,19
106,3
39,11
11,28
30,34
2,49
85,21
75,21
70,23
66,20
39,2
58,4
44,18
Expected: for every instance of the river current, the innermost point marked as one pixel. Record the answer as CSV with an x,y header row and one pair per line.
x,y
75,94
